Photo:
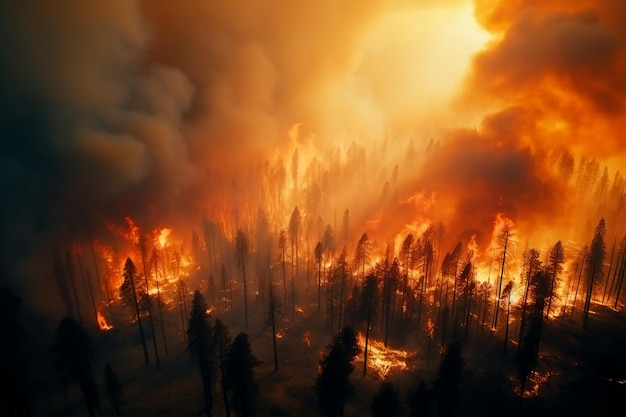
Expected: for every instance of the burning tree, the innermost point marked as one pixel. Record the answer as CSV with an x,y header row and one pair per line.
x,y
555,266
594,264
370,298
503,244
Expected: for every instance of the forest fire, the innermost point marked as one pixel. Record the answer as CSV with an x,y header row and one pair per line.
x,y
384,360
437,176
102,322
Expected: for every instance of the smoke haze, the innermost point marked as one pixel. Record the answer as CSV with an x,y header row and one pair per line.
x,y
152,109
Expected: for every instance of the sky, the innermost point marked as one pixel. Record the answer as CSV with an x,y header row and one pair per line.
x,y
127,108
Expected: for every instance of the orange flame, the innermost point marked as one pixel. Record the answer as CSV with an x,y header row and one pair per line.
x,y
306,339
102,322
164,235
383,359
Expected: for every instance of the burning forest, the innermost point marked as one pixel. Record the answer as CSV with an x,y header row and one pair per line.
x,y
313,208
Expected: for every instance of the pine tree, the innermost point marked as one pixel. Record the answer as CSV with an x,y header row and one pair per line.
x,y
129,295
597,252
333,386
201,345
222,340
240,365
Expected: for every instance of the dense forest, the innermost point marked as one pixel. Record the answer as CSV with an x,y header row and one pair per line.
x,y
295,208
430,325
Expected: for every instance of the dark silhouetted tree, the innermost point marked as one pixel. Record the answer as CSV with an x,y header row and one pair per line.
x,y
113,387
222,340
241,250
226,282
407,261
74,353
295,225
318,258
154,259
595,263
128,293
240,365
201,345
370,299
530,266
555,267
274,310
506,295
527,355
147,298
620,271
390,283
282,245
503,240
419,400
447,384
386,402
361,255
333,385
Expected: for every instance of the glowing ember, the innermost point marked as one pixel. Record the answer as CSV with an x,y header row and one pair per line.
x,y
430,328
535,381
382,359
306,339
298,309
279,335
102,323
210,310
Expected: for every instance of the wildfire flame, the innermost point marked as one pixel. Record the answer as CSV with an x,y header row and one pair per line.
x,y
383,359
102,322
164,235
306,339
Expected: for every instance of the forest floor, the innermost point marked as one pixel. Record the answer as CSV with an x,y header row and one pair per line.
x,y
580,370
